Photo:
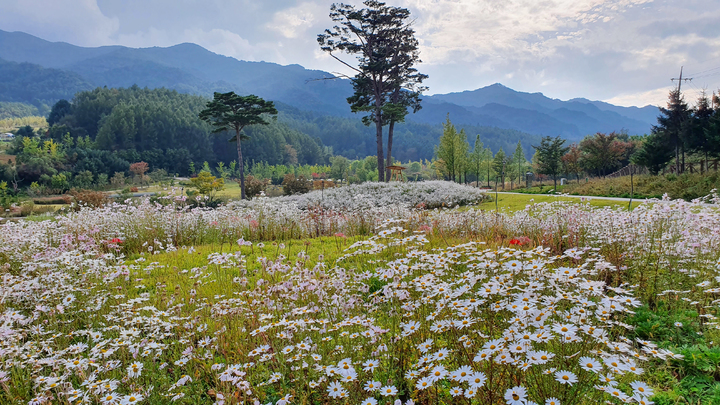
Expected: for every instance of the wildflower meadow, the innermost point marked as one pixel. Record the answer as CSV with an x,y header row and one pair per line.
x,y
370,294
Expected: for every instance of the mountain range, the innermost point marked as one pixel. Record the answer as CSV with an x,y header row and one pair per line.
x,y
193,69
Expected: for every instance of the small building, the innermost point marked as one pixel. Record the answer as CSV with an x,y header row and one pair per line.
x,y
7,137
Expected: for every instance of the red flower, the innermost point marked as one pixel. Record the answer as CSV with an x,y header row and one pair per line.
x,y
523,240
115,240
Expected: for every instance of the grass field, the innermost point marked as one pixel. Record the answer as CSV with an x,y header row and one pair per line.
x,y
516,202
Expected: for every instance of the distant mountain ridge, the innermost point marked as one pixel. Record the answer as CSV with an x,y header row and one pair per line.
x,y
193,69
534,110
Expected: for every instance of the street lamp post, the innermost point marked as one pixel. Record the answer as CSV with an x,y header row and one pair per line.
x,y
503,173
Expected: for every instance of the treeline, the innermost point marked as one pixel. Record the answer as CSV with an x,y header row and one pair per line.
x,y
683,136
598,155
683,133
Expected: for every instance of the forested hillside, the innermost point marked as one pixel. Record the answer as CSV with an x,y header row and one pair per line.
x,y
162,128
36,85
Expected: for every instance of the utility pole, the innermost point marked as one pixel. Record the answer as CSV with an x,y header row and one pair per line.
x,y
680,168
680,79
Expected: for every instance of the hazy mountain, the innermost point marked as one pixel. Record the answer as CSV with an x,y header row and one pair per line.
x,y
536,113
38,86
193,69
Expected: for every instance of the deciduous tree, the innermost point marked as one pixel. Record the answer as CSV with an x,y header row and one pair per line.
x,y
601,153
571,161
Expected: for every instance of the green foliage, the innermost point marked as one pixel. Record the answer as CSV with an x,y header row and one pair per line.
x,y
230,112
654,153
661,325
207,184
60,182
602,154
339,167
58,111
499,164
517,164
10,109
13,124
549,156
452,151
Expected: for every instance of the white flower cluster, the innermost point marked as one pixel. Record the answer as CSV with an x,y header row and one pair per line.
x,y
426,194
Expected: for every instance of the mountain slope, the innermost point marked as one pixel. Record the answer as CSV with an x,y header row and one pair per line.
x,y
190,68
36,85
586,116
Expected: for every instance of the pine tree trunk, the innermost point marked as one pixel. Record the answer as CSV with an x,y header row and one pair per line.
x,y
389,150
683,158
378,136
242,165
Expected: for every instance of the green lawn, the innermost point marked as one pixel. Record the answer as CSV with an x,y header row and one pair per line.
x,y
515,202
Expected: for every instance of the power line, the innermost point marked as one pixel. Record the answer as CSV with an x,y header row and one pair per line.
x,y
704,71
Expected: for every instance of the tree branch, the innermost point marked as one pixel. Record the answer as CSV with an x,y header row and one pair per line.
x,y
345,63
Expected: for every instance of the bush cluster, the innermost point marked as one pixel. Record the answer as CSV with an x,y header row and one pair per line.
x,y
295,185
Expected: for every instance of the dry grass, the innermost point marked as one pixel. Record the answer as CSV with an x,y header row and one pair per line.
x,y
5,158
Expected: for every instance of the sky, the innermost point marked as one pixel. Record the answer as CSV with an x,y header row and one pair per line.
x,y
621,51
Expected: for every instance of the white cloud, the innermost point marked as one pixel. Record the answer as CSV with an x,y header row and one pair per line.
x,y
618,50
294,21
216,40
79,22
523,29
656,97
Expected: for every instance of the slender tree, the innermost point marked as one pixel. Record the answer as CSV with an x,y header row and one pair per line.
x,y
476,157
488,160
462,147
385,82
549,156
697,136
499,162
230,112
447,150
519,162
